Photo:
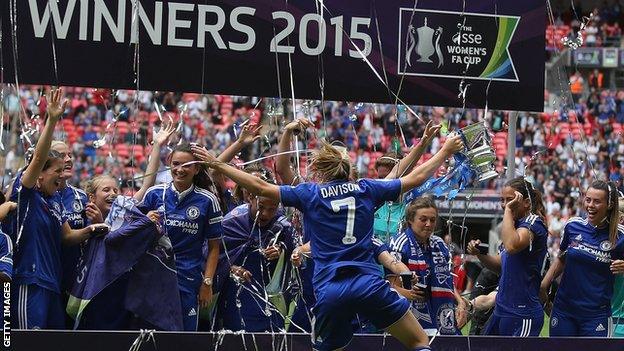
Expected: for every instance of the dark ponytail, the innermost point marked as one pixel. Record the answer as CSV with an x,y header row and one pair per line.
x,y
613,214
528,191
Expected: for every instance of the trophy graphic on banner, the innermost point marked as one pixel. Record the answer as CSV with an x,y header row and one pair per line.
x,y
479,150
428,44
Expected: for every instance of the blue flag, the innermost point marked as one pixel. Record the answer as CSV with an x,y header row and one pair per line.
x,y
134,242
153,292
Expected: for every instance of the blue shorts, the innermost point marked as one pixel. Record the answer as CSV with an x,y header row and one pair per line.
x,y
190,310
34,307
565,325
514,326
348,294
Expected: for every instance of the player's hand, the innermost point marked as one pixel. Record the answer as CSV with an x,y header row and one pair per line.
x,y
431,130
617,267
473,247
205,295
416,294
453,145
164,134
154,216
241,273
202,154
272,252
56,107
297,126
514,204
296,257
93,213
461,314
249,134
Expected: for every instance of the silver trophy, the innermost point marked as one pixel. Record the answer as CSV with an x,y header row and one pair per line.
x,y
479,150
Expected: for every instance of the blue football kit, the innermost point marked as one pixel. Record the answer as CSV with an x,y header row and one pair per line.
x,y
37,271
338,217
240,309
74,205
190,218
518,312
582,306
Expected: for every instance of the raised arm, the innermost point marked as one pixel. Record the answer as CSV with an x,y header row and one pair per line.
x,y
282,161
160,139
253,184
54,111
421,173
416,153
248,135
515,240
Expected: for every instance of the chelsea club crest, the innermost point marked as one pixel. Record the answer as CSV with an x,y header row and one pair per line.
x,y
192,212
605,245
446,318
77,206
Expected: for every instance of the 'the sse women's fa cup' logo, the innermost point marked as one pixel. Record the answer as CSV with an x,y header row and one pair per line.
x,y
427,44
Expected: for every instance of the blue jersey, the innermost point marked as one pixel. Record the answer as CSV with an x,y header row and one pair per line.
x,y
37,258
190,218
6,255
587,283
74,203
523,269
338,217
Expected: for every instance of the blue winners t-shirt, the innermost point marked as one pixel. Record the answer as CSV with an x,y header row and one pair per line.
x,y
586,285
521,273
338,217
37,256
190,218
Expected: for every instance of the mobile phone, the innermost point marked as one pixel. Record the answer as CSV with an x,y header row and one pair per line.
x,y
100,229
406,278
421,286
484,249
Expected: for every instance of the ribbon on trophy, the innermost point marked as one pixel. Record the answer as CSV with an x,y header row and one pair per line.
x,y
476,163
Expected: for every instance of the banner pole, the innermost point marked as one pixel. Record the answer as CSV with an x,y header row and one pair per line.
x,y
511,145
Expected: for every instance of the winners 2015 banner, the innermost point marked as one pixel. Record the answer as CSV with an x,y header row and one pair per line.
x,y
368,51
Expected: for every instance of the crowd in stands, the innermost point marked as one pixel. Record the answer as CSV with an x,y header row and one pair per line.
x,y
603,30
559,150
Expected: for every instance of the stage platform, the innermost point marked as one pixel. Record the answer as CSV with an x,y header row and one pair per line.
x,y
21,340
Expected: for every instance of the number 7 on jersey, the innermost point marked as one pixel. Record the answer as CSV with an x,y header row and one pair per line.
x,y
349,202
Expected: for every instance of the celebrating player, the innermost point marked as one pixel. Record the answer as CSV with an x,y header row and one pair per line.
x,y
255,235
107,310
40,226
428,257
339,217
518,311
191,215
591,253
